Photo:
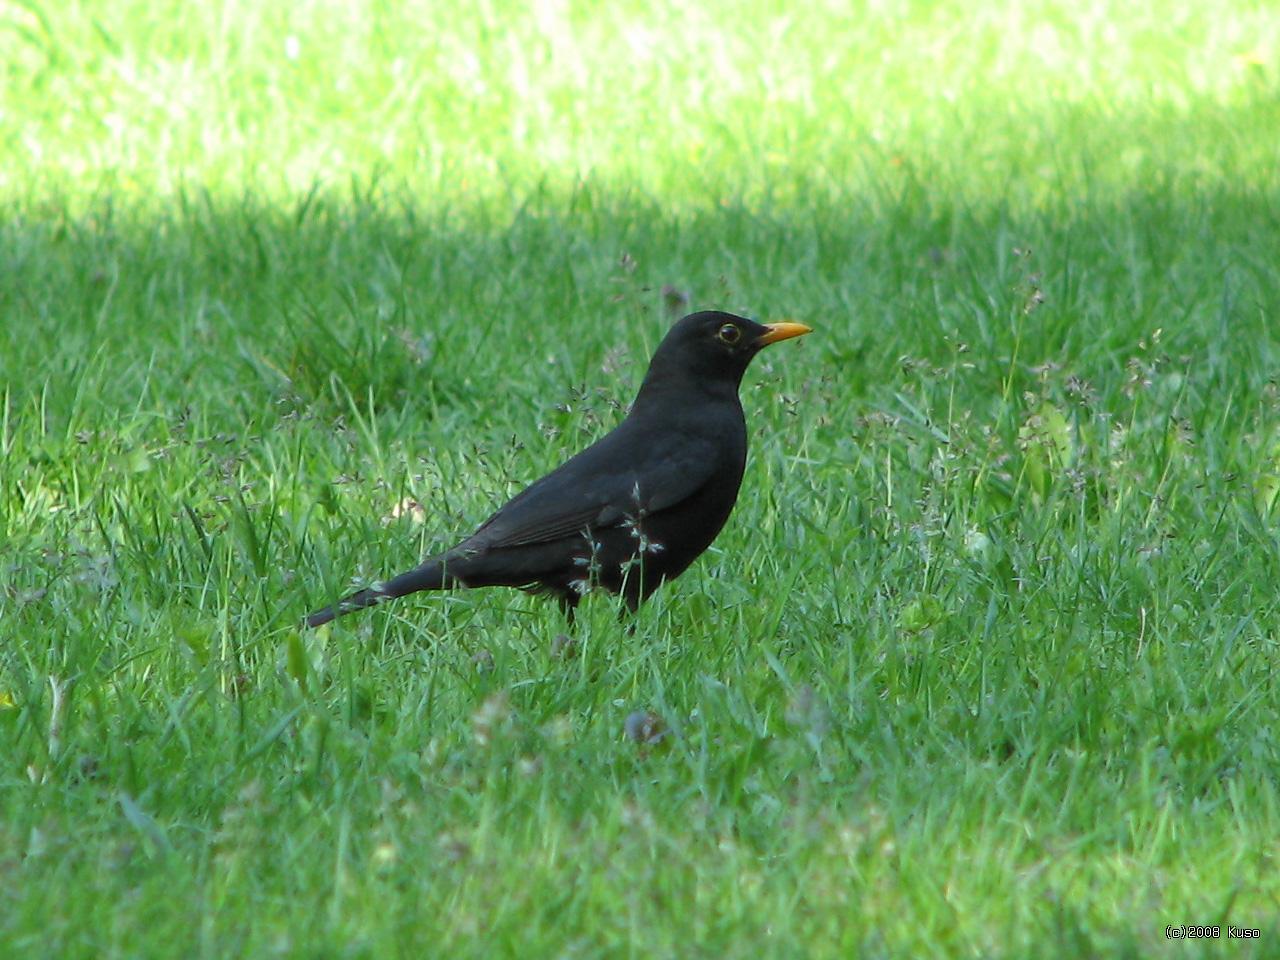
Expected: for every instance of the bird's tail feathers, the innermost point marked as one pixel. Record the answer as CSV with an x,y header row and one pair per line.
x,y
429,576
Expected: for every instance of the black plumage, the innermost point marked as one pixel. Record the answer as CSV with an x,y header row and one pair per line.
x,y
635,508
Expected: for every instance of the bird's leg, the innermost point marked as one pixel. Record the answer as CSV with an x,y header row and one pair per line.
x,y
568,605
631,597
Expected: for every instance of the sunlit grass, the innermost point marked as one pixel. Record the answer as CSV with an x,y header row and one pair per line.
x,y
982,665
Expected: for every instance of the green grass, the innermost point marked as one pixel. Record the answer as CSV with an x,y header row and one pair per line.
x,y
983,664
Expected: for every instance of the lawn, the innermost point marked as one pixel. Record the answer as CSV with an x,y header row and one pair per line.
x,y
292,294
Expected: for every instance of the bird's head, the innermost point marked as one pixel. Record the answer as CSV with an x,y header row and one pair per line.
x,y
714,348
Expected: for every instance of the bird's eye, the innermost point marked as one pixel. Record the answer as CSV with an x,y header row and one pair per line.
x,y
729,334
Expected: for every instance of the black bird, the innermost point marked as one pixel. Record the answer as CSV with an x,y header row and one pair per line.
x,y
635,508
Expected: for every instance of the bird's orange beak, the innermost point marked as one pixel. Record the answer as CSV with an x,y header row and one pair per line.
x,y
782,331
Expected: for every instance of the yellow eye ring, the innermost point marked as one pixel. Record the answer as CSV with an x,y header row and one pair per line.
x,y
729,333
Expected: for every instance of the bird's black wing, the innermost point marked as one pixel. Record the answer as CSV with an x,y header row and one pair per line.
x,y
626,475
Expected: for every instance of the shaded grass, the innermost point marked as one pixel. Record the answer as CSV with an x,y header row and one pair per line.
x,y
981,666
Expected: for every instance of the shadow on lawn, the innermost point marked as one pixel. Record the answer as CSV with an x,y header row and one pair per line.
x,y
515,323
362,295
